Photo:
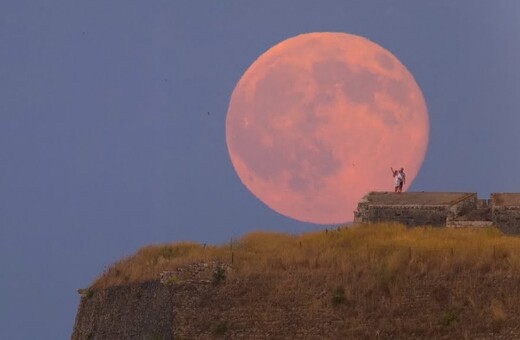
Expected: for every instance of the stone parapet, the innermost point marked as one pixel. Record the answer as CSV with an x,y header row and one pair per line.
x,y
451,209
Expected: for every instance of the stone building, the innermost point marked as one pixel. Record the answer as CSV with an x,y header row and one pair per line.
x,y
506,212
452,209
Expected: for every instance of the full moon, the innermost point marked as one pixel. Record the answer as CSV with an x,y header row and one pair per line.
x,y
318,120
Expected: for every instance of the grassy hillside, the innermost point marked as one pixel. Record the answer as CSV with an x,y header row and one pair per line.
x,y
384,250
379,281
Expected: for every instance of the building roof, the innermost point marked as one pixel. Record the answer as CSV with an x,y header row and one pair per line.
x,y
416,198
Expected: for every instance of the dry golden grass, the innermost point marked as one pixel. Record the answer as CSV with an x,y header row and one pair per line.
x,y
384,250
362,282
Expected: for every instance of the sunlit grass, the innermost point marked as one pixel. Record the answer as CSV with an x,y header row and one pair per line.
x,y
386,251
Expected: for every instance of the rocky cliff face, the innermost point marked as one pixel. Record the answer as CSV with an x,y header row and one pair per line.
x,y
285,306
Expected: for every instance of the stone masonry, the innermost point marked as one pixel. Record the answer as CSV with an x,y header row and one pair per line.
x,y
451,209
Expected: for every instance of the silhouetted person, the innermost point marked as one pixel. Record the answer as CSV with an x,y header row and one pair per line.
x,y
403,179
397,179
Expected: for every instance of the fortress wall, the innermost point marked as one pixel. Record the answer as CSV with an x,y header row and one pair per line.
x,y
410,215
483,203
135,311
506,218
256,308
436,209
505,212
361,214
464,205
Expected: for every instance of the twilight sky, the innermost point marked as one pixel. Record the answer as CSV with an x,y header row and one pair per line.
x,y
106,144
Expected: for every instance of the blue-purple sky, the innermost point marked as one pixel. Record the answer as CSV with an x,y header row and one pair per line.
x,y
106,144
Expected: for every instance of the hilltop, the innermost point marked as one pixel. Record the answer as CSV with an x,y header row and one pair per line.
x,y
376,281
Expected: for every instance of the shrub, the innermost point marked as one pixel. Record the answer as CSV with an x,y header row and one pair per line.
x,y
219,275
220,329
449,318
173,279
89,293
339,297
156,336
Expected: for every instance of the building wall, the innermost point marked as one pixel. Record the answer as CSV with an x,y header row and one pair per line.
x,y
410,215
258,308
414,215
505,213
463,206
135,311
506,218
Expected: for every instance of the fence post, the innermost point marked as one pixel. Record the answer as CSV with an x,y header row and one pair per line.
x,y
494,253
231,250
451,251
410,253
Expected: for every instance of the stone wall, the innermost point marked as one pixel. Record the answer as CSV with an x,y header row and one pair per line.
x,y
505,212
501,211
507,219
117,312
463,206
136,311
410,215
285,307
464,212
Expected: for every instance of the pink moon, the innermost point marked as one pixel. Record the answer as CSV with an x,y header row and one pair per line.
x,y
317,121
